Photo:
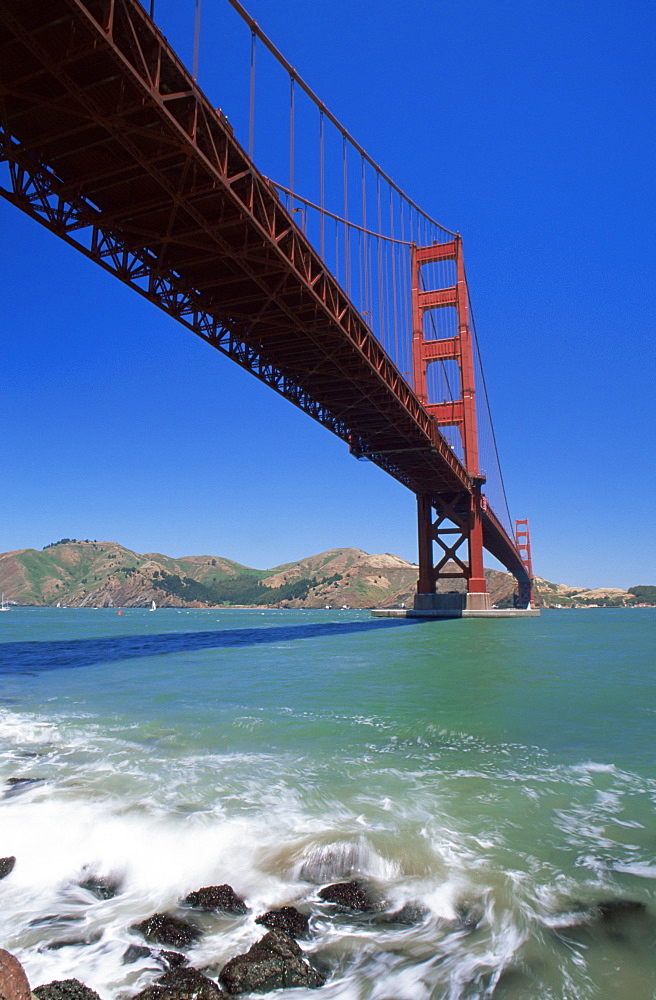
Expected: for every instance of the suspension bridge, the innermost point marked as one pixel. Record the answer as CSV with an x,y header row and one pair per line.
x,y
301,260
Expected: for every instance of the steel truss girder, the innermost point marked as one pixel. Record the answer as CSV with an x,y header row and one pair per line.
x,y
251,198
78,224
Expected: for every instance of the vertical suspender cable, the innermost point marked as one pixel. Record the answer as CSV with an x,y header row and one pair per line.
x,y
322,185
251,110
347,235
152,10
406,323
291,141
394,290
196,41
381,286
366,305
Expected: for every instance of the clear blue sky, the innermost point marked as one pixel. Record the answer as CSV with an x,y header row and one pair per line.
x,y
526,126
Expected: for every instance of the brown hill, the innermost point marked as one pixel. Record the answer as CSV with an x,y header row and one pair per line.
x,y
99,574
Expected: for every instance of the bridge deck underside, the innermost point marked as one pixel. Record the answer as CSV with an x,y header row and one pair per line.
x,y
101,117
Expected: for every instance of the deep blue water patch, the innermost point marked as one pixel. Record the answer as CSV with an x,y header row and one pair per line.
x,y
31,657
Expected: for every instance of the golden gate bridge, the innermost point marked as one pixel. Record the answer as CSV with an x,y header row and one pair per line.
x,y
329,284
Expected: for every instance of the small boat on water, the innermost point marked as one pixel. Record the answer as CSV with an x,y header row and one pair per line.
x,y
153,606
3,604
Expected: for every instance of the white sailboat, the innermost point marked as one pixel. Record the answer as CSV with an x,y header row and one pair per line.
x,y
3,604
153,606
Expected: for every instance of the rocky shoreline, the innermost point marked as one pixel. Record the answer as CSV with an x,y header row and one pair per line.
x,y
277,960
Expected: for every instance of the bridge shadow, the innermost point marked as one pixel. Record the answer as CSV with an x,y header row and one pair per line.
x,y
58,654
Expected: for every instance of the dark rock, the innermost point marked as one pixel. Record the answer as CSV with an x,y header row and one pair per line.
x,y
181,984
134,953
408,914
619,920
13,981
353,895
101,887
275,962
333,861
605,914
17,785
71,942
164,929
54,919
173,959
216,897
6,866
65,989
611,910
470,915
286,918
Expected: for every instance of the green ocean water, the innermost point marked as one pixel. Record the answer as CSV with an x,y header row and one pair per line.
x,y
498,775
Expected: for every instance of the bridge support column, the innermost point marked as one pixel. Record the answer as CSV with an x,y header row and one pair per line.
x,y
478,598
524,583
425,531
450,525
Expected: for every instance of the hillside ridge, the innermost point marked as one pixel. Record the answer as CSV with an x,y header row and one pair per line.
x,y
87,573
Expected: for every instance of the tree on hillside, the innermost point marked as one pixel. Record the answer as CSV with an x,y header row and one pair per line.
x,y
644,593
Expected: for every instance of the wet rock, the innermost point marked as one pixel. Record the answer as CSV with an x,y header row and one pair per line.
x,y
216,897
610,910
164,929
71,942
134,953
65,989
101,887
469,916
606,913
408,915
54,919
620,920
17,785
13,981
353,895
181,984
332,861
6,866
286,918
276,962
173,959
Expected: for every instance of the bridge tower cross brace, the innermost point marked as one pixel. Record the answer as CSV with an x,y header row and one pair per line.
x,y
451,521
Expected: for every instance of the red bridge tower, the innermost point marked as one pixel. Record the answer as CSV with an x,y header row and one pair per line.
x,y
457,519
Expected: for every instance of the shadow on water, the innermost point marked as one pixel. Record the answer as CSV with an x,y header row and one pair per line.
x,y
30,657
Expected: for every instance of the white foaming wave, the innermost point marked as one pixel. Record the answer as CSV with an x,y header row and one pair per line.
x,y
156,860
595,767
484,965
17,729
641,869
158,857
404,982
